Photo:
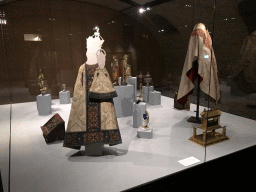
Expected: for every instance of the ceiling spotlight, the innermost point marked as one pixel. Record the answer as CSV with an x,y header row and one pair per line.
x,y
148,9
162,30
141,10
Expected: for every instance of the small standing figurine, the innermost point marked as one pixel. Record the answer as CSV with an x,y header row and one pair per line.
x,y
147,79
124,67
128,68
41,82
63,87
115,70
145,120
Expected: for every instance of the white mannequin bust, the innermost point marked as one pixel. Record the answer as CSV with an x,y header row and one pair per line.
x,y
94,43
101,58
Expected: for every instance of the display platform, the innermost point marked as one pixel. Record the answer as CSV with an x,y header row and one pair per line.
x,y
145,92
133,81
124,100
64,97
36,166
44,104
145,133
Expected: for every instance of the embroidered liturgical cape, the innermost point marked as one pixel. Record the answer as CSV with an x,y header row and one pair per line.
x,y
200,57
92,117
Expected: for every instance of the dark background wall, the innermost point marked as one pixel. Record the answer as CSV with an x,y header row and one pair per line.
x,y
64,26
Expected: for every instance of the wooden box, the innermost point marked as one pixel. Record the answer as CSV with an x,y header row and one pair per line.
x,y
54,129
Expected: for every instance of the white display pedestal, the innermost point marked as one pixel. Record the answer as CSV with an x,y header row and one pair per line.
x,y
133,81
44,95
142,133
64,97
124,100
138,111
44,104
94,149
145,92
155,98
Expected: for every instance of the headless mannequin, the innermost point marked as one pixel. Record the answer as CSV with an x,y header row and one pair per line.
x,y
94,43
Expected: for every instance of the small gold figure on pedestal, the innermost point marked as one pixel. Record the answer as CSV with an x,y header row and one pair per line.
x,y
41,82
63,87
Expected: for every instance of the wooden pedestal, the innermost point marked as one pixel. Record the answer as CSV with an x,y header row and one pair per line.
x,y
209,138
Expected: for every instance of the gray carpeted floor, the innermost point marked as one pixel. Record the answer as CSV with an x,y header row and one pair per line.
x,y
36,166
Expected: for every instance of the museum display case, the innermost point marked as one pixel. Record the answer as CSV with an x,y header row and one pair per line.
x,y
162,59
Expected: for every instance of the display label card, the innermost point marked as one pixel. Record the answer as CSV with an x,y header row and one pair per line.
x,y
189,161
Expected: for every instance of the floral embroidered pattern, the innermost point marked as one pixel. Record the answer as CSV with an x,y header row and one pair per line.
x,y
91,69
93,117
114,136
71,138
93,137
89,84
51,124
44,129
83,137
58,117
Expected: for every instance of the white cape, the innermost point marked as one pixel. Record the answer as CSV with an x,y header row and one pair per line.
x,y
200,49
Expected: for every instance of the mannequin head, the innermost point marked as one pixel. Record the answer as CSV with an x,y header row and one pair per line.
x,y
101,58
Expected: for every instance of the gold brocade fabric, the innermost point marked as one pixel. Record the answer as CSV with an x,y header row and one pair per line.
x,y
92,117
108,116
102,82
77,117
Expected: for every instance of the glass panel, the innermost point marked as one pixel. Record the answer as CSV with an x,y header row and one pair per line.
x,y
5,99
50,38
234,45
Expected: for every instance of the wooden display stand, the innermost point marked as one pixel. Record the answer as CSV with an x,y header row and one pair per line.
x,y
210,122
